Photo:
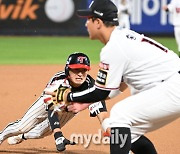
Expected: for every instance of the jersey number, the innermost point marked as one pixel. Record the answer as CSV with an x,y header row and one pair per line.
x,y
155,44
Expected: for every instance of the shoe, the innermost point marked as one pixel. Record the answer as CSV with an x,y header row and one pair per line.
x,y
15,139
61,143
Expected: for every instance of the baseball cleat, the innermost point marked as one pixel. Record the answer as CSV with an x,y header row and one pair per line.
x,y
15,139
61,143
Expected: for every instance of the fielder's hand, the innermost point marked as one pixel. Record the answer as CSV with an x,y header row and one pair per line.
x,y
106,127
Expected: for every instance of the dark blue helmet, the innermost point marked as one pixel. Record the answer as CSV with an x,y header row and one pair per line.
x,y
77,60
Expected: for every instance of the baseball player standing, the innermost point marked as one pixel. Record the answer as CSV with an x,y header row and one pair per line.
x,y
151,71
124,11
174,8
35,123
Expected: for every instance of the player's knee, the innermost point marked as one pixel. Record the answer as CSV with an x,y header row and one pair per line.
x,y
18,127
120,118
23,129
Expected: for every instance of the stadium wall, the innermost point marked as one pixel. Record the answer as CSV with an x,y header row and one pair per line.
x,y
58,17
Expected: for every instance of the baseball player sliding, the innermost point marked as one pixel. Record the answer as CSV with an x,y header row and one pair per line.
x,y
151,71
35,123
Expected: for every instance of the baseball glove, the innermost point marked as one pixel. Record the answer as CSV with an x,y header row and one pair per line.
x,y
58,100
59,95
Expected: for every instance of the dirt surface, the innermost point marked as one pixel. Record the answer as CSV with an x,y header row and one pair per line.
x,y
21,86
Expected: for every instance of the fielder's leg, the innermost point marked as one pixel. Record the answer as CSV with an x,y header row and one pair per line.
x,y
143,146
120,140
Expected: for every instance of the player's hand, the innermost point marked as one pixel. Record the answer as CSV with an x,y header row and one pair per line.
x,y
165,8
51,105
106,124
76,107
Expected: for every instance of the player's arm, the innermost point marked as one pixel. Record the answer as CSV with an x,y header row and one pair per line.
x,y
97,108
122,88
90,95
101,116
94,108
95,94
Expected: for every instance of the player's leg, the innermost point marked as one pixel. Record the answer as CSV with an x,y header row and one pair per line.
x,y
144,113
120,140
123,145
143,146
57,121
35,114
39,131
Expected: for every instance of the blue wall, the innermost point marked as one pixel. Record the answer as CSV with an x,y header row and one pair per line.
x,y
148,17
59,17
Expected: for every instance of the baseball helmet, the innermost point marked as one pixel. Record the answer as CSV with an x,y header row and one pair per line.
x,y
77,60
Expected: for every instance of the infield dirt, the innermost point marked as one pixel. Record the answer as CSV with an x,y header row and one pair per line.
x,y
21,85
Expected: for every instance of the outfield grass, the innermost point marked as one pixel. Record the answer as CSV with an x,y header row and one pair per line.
x,y
45,50
54,50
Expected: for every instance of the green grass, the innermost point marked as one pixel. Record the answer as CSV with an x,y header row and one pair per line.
x,y
45,50
54,50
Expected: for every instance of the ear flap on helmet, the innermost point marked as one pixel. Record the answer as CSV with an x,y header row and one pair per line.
x,y
66,69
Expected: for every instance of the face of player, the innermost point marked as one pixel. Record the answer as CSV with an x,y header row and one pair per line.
x,y
95,30
92,28
77,76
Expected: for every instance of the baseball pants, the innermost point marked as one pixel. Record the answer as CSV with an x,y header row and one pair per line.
x,y
150,109
35,123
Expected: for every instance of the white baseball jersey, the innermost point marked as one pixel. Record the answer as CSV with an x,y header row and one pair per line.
x,y
174,8
153,73
140,61
151,70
